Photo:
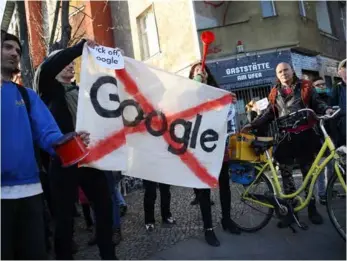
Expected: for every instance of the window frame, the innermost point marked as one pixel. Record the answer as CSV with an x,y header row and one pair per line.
x,y
329,18
143,33
302,9
274,12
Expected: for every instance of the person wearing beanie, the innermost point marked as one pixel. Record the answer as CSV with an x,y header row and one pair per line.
x,y
25,121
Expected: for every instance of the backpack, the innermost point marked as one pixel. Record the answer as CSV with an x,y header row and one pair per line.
x,y
41,156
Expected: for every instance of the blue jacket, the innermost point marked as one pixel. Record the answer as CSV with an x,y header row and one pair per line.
x,y
338,125
18,162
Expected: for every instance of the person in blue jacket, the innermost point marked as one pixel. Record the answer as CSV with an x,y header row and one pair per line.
x,y
22,224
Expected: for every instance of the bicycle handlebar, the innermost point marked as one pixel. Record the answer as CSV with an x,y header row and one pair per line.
x,y
337,109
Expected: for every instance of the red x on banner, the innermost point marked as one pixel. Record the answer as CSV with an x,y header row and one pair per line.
x,y
117,139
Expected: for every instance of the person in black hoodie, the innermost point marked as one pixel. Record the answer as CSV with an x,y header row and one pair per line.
x,y
53,81
204,195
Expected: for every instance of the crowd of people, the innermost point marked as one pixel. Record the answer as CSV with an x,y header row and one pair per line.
x,y
33,121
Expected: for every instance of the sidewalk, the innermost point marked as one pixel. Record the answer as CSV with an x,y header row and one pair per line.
x,y
185,239
317,243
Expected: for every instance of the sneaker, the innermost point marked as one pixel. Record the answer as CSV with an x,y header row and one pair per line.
x,y
169,221
149,227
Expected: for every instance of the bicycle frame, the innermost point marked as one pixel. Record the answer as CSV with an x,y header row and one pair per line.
x,y
310,178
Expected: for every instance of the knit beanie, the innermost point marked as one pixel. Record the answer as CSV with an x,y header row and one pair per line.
x,y
10,37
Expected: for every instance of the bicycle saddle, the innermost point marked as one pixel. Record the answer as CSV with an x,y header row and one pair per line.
x,y
262,144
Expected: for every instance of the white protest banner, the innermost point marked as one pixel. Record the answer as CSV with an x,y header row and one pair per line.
x,y
98,104
175,128
108,57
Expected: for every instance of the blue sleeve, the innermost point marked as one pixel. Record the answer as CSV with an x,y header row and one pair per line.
x,y
44,128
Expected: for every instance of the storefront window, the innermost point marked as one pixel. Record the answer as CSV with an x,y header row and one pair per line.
x,y
244,96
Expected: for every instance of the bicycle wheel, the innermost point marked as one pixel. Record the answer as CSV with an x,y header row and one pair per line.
x,y
241,211
336,205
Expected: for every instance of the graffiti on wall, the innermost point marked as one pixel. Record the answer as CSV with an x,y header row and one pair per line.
x,y
214,49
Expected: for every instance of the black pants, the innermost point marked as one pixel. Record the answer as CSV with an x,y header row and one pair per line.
x,y
64,183
151,196
301,148
22,229
204,197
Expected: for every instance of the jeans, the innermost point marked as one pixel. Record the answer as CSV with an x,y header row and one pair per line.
x,y
22,229
322,179
115,200
119,196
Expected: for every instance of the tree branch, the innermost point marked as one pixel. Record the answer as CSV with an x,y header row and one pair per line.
x,y
66,27
27,72
54,27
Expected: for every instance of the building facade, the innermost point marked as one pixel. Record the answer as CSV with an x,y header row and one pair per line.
x,y
251,38
160,33
311,36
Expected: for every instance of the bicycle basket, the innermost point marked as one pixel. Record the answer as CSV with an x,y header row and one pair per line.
x,y
241,173
240,148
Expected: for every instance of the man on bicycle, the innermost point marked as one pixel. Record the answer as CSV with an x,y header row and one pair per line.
x,y
298,139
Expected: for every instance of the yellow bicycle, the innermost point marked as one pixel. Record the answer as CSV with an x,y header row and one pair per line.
x,y
271,200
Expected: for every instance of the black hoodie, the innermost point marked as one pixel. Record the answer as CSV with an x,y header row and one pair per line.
x,y
51,91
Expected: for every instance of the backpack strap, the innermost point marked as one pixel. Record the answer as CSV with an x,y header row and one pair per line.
x,y
25,96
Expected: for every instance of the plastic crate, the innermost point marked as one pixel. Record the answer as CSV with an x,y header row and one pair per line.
x,y
240,148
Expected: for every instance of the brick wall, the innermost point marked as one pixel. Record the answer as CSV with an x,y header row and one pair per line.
x,y
325,66
302,62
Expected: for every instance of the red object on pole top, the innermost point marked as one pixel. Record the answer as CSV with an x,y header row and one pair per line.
x,y
207,37
239,42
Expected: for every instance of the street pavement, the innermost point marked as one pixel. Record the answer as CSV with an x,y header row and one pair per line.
x,y
185,240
